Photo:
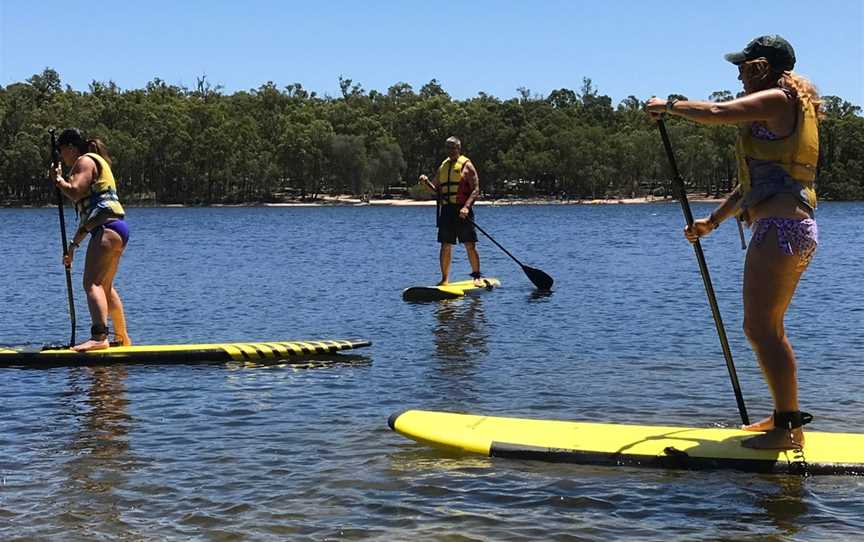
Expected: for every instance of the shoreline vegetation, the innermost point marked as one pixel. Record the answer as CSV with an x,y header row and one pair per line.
x,y
286,145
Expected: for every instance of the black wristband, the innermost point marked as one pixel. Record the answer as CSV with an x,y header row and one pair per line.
x,y
713,221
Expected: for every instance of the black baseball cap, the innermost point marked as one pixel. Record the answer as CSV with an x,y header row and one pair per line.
x,y
773,48
71,136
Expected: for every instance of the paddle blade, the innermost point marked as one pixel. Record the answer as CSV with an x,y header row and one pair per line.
x,y
540,279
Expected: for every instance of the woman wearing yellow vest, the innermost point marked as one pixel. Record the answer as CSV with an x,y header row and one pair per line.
x,y
92,188
777,150
457,185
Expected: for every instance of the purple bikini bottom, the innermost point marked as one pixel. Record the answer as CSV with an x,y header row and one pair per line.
x,y
120,227
794,236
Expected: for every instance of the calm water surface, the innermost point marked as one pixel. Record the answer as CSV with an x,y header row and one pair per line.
x,y
226,452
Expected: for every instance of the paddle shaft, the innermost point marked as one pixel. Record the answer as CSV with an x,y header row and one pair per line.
x,y
507,252
55,160
437,206
706,278
539,278
741,233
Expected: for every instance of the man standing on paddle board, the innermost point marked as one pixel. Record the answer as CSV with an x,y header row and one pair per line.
x,y
457,186
92,188
777,149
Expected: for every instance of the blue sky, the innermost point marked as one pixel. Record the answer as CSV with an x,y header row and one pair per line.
x,y
625,47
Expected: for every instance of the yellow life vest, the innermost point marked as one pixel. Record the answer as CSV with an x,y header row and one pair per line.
x,y
449,175
796,154
101,202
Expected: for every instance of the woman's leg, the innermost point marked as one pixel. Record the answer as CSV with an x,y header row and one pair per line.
x,y
770,279
115,304
103,254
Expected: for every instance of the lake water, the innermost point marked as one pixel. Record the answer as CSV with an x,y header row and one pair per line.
x,y
226,452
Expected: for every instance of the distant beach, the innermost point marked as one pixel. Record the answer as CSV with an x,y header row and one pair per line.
x,y
325,201
405,202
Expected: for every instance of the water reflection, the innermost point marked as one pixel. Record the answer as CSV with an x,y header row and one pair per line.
x,y
460,341
540,296
461,335
319,361
99,450
784,502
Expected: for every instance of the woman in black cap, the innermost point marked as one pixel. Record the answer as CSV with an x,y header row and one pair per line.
x,y
777,150
92,188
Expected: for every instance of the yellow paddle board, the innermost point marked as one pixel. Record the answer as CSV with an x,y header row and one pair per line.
x,y
176,353
451,290
620,444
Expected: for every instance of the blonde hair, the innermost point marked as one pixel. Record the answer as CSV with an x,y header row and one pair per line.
x,y
760,72
802,87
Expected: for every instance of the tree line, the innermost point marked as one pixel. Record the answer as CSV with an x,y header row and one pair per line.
x,y
172,144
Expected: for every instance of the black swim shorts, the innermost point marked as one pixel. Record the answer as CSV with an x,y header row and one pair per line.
x,y
452,228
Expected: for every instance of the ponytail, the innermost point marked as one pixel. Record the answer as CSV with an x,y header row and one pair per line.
x,y
803,88
96,145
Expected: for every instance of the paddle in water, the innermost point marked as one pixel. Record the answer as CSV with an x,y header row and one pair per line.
x,y
678,183
540,279
55,161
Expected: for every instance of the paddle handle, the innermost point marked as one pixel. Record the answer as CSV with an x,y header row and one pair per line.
x,y
706,277
55,161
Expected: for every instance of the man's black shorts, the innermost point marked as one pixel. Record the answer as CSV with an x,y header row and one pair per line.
x,y
451,228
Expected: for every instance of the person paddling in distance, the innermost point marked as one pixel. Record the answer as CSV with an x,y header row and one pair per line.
x,y
457,186
93,190
777,150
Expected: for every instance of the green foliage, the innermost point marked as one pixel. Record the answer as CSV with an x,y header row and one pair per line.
x,y
172,144
841,139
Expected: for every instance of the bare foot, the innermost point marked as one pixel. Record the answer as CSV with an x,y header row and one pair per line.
x,y
443,282
92,344
766,424
776,439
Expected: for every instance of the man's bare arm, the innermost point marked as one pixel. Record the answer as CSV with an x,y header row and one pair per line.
x,y
469,173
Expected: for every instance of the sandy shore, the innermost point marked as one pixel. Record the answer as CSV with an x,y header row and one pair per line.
x,y
344,200
325,201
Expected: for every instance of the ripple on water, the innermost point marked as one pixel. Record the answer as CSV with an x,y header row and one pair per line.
x,y
275,452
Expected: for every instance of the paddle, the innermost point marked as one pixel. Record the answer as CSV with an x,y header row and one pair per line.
x,y
741,233
55,160
706,278
540,279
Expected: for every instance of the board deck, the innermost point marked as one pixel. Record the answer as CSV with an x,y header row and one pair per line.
x,y
177,353
452,290
620,444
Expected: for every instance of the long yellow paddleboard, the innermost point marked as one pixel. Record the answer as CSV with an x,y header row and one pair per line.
x,y
176,353
619,444
448,291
